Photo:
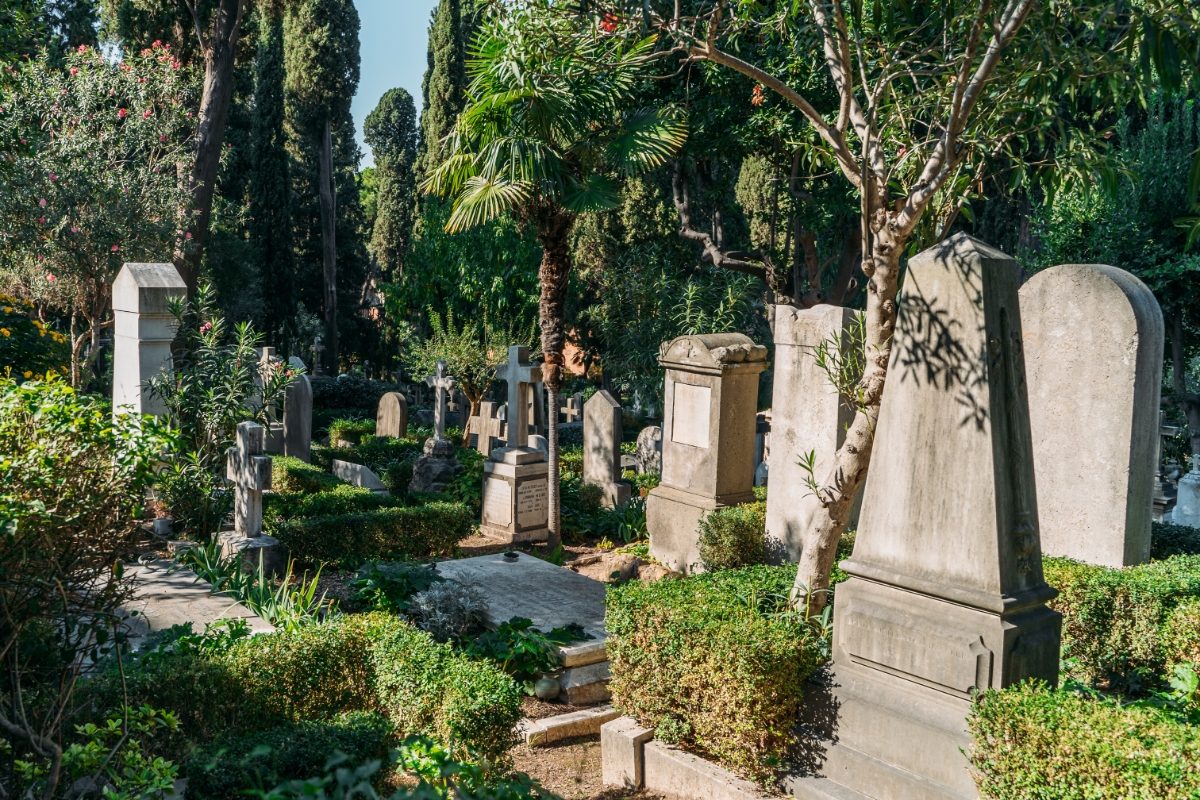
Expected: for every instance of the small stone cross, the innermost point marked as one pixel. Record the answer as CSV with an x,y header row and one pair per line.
x,y
250,472
573,410
486,426
442,384
518,374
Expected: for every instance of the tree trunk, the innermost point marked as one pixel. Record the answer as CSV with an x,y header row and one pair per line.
x,y
849,469
220,51
328,246
553,231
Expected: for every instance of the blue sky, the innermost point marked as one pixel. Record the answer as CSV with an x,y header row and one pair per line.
x,y
392,41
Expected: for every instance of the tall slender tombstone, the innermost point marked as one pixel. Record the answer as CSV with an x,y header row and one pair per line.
x,y
516,477
143,331
297,415
711,406
602,434
946,596
1094,350
268,362
808,415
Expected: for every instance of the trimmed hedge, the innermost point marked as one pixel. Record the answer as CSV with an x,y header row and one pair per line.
x,y
733,537
387,534
716,662
226,768
1118,624
341,499
350,430
290,474
1173,540
1034,743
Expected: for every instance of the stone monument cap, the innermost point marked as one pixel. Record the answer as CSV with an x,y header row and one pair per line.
x,y
146,288
713,352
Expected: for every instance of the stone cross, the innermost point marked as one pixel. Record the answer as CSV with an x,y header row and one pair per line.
x,y
486,426
267,363
442,384
250,472
573,410
518,374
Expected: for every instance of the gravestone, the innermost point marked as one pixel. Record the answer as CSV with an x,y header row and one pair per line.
x,y
539,443
143,329
391,416
573,410
1187,501
297,417
1094,351
437,466
486,427
710,406
808,415
602,434
359,475
649,450
535,398
268,363
250,471
515,478
946,597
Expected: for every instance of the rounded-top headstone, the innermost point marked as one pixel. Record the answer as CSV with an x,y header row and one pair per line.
x,y
391,417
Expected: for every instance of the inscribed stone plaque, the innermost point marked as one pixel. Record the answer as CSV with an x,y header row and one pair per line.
x,y
532,503
690,414
497,501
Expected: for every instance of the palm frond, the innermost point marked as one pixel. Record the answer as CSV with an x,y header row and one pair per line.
x,y
596,193
450,175
482,200
648,139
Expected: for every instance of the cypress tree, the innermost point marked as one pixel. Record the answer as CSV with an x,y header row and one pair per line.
x,y
443,90
391,131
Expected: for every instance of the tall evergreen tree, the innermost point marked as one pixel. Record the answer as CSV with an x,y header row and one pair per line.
x,y
391,131
444,89
270,223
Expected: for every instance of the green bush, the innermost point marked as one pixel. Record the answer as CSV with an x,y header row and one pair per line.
x,y
387,534
1181,634
1034,743
341,499
716,662
1173,540
350,430
1115,620
290,474
428,688
225,768
360,396
734,537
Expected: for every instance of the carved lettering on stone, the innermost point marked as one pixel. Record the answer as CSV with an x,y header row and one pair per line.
x,y
532,503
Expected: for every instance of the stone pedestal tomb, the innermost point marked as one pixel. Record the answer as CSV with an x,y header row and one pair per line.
x,y
946,596
437,465
516,486
143,329
602,434
1094,351
710,407
391,416
808,415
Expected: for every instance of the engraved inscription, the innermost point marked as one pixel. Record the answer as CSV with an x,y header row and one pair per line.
x,y
690,414
533,504
497,501
953,663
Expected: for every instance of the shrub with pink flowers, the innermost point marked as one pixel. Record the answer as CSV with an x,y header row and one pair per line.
x,y
88,180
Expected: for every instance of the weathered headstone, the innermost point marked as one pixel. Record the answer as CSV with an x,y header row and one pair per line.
x,y
268,364
602,434
1094,351
1187,501
143,329
946,597
573,410
250,472
437,466
808,415
649,450
359,475
297,418
539,443
710,406
486,427
391,416
515,478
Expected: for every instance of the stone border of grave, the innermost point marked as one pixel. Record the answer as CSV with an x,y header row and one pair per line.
x,y
631,758
551,730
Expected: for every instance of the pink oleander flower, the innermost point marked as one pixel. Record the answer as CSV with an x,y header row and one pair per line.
x,y
121,113
116,248
51,277
53,177
74,229
42,203
188,235
147,113
206,327
74,71
42,220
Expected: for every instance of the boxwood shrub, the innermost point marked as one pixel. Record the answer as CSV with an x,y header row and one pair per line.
x,y
290,474
716,662
341,499
1173,540
386,534
350,430
1119,626
735,536
1034,743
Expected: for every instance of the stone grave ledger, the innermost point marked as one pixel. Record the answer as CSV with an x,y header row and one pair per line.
x,y
807,415
946,596
710,403
1094,351
143,330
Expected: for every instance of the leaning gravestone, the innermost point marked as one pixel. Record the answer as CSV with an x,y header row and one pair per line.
x,y
437,466
710,406
808,416
391,416
143,330
297,414
1093,337
602,436
945,597
249,470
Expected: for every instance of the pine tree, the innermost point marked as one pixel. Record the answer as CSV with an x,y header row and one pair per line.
x,y
391,131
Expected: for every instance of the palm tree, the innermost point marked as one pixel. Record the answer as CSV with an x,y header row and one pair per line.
x,y
548,131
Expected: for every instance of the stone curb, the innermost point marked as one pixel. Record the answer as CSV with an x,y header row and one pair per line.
x,y
542,732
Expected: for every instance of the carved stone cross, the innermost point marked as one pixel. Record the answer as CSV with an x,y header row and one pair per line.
x,y
442,384
250,472
518,374
573,410
487,427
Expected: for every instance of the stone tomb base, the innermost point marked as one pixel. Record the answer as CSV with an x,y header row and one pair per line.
x,y
253,551
550,596
673,516
516,505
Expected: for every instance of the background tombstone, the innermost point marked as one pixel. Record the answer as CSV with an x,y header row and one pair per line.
x,y
946,596
143,330
602,434
486,428
573,410
762,447
267,363
297,414
437,466
1094,352
808,415
391,416
649,450
1187,501
711,403
535,397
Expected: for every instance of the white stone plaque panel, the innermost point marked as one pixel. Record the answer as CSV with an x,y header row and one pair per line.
x,y
690,414
497,501
533,503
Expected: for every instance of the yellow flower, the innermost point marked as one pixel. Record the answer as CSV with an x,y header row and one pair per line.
x,y
5,332
8,309
28,374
